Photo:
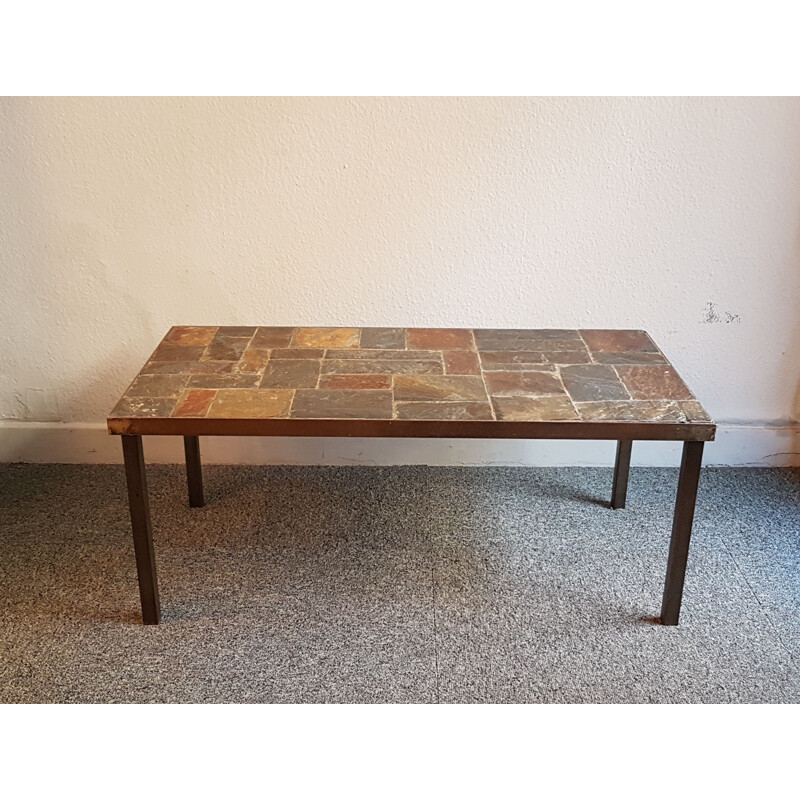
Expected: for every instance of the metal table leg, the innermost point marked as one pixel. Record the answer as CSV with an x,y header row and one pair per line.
x,y
681,531
194,470
621,469
142,531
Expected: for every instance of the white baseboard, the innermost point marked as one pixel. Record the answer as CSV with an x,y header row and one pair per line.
x,y
88,443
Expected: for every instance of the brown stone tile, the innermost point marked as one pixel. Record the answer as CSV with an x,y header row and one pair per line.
x,y
250,403
632,357
439,339
194,402
187,367
240,380
383,338
630,410
190,335
157,386
534,409
439,387
512,359
177,352
443,411
553,334
342,404
273,337
357,366
384,355
254,359
461,362
237,331
531,340
694,411
654,383
326,337
300,373
587,382
614,341
226,348
355,382
529,344
525,383
297,352
144,407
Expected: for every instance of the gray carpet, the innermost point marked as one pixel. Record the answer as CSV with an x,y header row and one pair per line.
x,y
403,584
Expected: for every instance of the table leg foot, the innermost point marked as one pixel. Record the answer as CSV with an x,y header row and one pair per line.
x,y
194,470
142,531
621,470
681,531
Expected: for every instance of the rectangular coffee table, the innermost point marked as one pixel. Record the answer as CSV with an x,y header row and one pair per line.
x,y
410,382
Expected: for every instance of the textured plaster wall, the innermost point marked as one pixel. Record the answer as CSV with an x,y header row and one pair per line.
x,y
121,217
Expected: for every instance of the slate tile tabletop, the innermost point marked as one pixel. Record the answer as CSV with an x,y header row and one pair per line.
x,y
230,373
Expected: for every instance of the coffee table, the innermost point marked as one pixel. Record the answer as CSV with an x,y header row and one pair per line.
x,y
409,382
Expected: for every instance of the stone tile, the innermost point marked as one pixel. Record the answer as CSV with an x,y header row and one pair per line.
x,y
190,335
234,381
523,383
439,387
273,337
551,334
632,357
355,382
694,411
157,386
613,341
588,382
298,373
534,409
250,403
512,359
530,340
297,352
461,362
176,352
383,338
226,348
654,383
444,411
194,402
342,404
254,359
357,366
439,339
237,331
144,407
385,355
630,410
187,367
326,337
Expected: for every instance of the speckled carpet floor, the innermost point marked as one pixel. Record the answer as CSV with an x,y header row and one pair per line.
x,y
401,584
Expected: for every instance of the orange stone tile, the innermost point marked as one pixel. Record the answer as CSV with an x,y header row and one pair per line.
x,y
614,341
440,339
251,403
355,382
326,337
461,362
194,403
654,383
253,360
190,334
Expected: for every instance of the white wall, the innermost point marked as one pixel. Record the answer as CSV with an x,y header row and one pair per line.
x,y
121,217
